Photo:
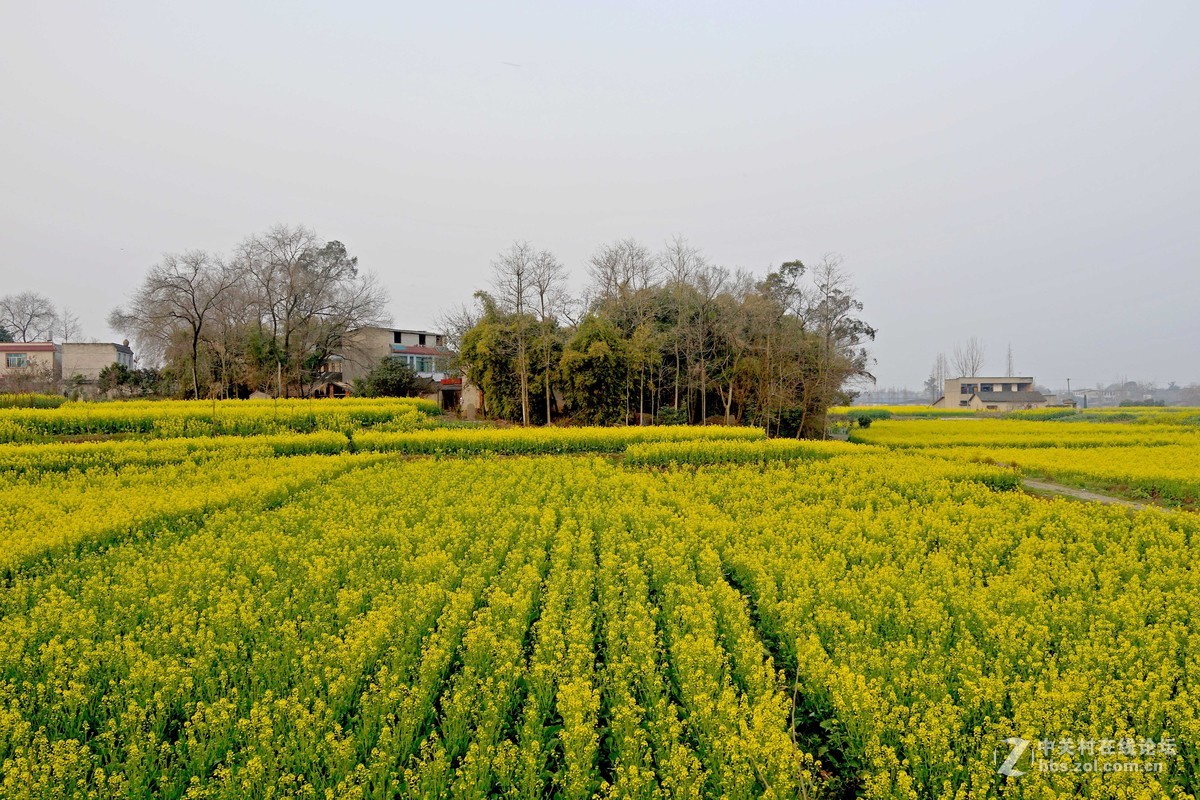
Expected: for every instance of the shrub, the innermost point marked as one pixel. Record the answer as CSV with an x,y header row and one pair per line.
x,y
671,416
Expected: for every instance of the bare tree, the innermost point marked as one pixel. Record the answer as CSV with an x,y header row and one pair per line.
x,y
512,275
620,269
547,282
456,321
936,383
732,335
28,316
175,299
308,295
680,261
841,335
67,325
968,358
708,283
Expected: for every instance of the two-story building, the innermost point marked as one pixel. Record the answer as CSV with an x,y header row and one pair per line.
x,y
424,352
82,362
991,394
29,366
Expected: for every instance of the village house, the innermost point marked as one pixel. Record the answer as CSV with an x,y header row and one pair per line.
x,y
29,366
991,394
424,352
82,362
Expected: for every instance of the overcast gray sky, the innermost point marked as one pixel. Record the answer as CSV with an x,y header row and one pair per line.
x,y
1022,172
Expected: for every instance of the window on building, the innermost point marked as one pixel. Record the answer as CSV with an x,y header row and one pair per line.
x,y
421,339
12,360
397,338
985,387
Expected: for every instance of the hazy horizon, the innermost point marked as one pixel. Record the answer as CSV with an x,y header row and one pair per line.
x,y
1024,173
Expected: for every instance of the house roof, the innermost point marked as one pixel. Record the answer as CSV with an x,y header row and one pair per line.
x,y
400,330
28,347
1005,379
1011,397
120,348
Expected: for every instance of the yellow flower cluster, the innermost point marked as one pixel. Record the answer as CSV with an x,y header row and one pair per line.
x,y
1169,473
1022,433
75,510
1156,457
26,400
735,451
739,618
169,418
514,441
900,411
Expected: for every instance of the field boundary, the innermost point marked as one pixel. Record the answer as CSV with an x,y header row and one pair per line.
x,y
1039,486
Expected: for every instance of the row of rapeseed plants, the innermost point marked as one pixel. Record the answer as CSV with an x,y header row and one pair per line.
x,y
316,614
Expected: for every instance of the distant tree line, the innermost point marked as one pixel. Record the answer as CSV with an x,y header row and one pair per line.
x,y
33,317
663,336
262,318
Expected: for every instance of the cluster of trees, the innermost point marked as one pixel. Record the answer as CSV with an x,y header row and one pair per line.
x,y
33,317
117,379
665,336
264,318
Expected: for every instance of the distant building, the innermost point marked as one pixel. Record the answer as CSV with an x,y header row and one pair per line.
x,y
82,362
29,366
991,394
424,352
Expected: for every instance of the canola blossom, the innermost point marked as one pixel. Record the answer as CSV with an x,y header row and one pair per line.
x,y
1022,433
584,613
1170,473
174,418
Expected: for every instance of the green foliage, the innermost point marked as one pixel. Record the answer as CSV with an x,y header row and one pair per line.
x,y
671,416
490,354
5,336
801,422
117,378
594,369
113,376
864,420
392,378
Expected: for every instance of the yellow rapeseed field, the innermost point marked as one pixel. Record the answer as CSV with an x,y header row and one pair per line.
x,y
357,603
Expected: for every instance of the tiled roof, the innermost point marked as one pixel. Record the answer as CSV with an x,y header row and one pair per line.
x,y
27,347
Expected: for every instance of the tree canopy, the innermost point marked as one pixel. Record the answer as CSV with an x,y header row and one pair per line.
x,y
667,336
265,317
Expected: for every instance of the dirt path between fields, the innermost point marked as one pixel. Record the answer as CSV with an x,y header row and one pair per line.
x,y
1057,489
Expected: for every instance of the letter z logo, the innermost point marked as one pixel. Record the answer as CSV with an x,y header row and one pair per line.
x,y
1009,767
